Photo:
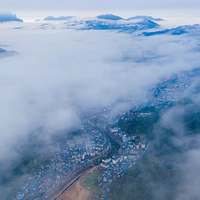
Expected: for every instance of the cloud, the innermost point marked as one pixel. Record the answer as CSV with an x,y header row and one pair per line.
x,y
59,73
178,140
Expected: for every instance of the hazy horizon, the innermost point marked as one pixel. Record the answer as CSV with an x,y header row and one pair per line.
x,y
173,17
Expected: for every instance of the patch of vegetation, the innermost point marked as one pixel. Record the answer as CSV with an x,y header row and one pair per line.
x,y
156,175
92,181
142,126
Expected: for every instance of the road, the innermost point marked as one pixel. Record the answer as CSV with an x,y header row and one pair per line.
x,y
95,161
75,189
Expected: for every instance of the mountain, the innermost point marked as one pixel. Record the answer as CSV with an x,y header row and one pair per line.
x,y
109,17
8,17
176,31
167,170
145,17
4,53
122,27
62,18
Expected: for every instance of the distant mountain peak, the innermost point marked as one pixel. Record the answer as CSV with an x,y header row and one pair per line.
x,y
109,17
192,29
61,18
8,17
4,53
145,17
128,27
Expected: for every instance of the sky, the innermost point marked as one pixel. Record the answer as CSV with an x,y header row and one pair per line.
x,y
96,5
36,9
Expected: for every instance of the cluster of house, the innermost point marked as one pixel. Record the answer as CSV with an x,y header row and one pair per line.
x,y
130,146
116,166
162,95
65,163
70,159
166,91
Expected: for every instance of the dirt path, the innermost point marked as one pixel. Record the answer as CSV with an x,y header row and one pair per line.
x,y
77,191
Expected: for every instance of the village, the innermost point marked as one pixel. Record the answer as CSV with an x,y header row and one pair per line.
x,y
100,134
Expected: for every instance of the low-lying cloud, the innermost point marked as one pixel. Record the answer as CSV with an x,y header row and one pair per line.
x,y
59,73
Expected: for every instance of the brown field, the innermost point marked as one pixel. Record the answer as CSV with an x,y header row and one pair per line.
x,y
77,191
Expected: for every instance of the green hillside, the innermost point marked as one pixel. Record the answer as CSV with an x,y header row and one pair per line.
x,y
157,174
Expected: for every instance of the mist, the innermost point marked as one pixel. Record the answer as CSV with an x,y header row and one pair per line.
x,y
168,170
59,73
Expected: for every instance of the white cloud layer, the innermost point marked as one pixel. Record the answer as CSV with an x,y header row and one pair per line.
x,y
59,72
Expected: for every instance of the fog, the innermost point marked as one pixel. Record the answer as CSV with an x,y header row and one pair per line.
x,y
58,73
188,142
177,135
